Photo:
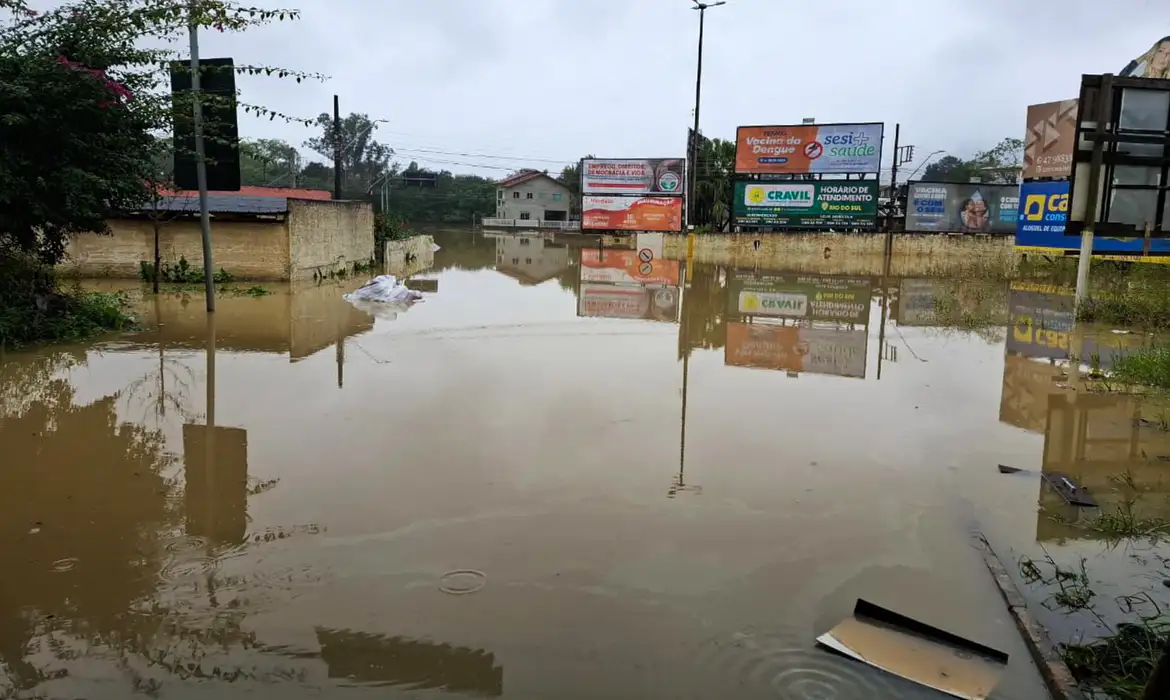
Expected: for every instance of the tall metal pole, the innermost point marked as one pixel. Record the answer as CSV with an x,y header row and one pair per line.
x,y
200,159
1104,108
695,140
893,193
336,149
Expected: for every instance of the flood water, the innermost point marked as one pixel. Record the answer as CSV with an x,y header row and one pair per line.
x,y
545,480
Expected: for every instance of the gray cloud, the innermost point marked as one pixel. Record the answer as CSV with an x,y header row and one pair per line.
x,y
556,79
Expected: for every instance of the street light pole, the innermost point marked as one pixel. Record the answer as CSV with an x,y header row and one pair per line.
x,y
200,157
694,155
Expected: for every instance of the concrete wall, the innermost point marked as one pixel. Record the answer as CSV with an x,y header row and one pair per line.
x,y
419,250
542,190
252,250
850,254
326,236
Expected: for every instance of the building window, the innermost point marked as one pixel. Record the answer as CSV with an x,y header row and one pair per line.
x,y
515,195
528,196
557,196
515,261
499,194
524,241
525,216
527,261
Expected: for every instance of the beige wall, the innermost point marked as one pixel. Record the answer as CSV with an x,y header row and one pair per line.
x,y
249,250
325,236
850,254
543,191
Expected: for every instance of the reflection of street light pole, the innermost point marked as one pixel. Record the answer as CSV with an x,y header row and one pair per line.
x,y
694,155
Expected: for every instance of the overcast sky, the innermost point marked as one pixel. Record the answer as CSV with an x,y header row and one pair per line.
x,y
538,83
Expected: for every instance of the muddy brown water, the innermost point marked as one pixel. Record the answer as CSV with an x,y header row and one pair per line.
x,y
536,483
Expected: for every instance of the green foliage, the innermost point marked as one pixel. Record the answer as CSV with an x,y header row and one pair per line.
x,y
34,308
83,98
1001,163
714,169
181,273
1145,367
390,227
363,159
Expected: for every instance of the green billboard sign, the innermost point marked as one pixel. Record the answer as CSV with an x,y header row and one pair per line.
x,y
835,203
799,296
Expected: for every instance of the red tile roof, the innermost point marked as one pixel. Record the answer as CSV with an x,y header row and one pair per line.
x,y
521,177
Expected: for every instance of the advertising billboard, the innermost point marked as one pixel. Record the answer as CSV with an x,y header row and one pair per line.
x,y
629,301
809,148
1044,217
631,213
1049,139
664,176
916,302
796,349
841,204
962,208
625,267
793,295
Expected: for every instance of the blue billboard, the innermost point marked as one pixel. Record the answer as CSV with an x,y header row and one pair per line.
x,y
1044,216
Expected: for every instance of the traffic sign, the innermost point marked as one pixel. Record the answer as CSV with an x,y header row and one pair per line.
x,y
645,255
645,268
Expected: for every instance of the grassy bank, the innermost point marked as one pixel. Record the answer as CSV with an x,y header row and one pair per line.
x,y
35,308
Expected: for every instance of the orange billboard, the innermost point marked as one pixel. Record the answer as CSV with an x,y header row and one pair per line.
x,y
1050,139
632,214
797,348
625,267
809,148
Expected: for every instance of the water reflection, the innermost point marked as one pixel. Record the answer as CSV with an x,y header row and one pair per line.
x,y
217,513
374,659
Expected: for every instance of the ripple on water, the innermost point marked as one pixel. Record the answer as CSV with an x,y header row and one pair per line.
x,y
185,544
777,666
178,571
63,565
462,581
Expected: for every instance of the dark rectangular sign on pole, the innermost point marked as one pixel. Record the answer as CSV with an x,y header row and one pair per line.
x,y
221,134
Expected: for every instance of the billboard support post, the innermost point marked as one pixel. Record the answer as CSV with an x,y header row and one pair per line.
x,y
893,193
1104,102
694,154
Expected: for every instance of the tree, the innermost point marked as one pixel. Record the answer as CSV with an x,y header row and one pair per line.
x,y
1000,164
363,160
269,162
82,96
714,168
571,177
947,169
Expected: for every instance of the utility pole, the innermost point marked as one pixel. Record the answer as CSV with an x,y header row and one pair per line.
x,y
336,149
1104,103
200,158
694,155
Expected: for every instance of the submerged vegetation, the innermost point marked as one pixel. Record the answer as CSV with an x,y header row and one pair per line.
x,y
34,307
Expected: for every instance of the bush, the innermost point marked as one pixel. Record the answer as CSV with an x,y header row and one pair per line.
x,y
34,308
181,273
388,227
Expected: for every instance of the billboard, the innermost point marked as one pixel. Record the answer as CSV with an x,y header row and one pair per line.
x,y
838,203
962,208
628,301
793,295
1154,63
1049,139
796,349
916,302
1042,321
1044,216
631,213
664,176
625,267
809,148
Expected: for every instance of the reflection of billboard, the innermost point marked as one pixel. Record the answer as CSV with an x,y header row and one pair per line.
x,y
809,148
215,465
1044,218
962,208
806,204
649,176
624,267
796,295
1042,322
916,302
1049,140
796,349
622,301
631,213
